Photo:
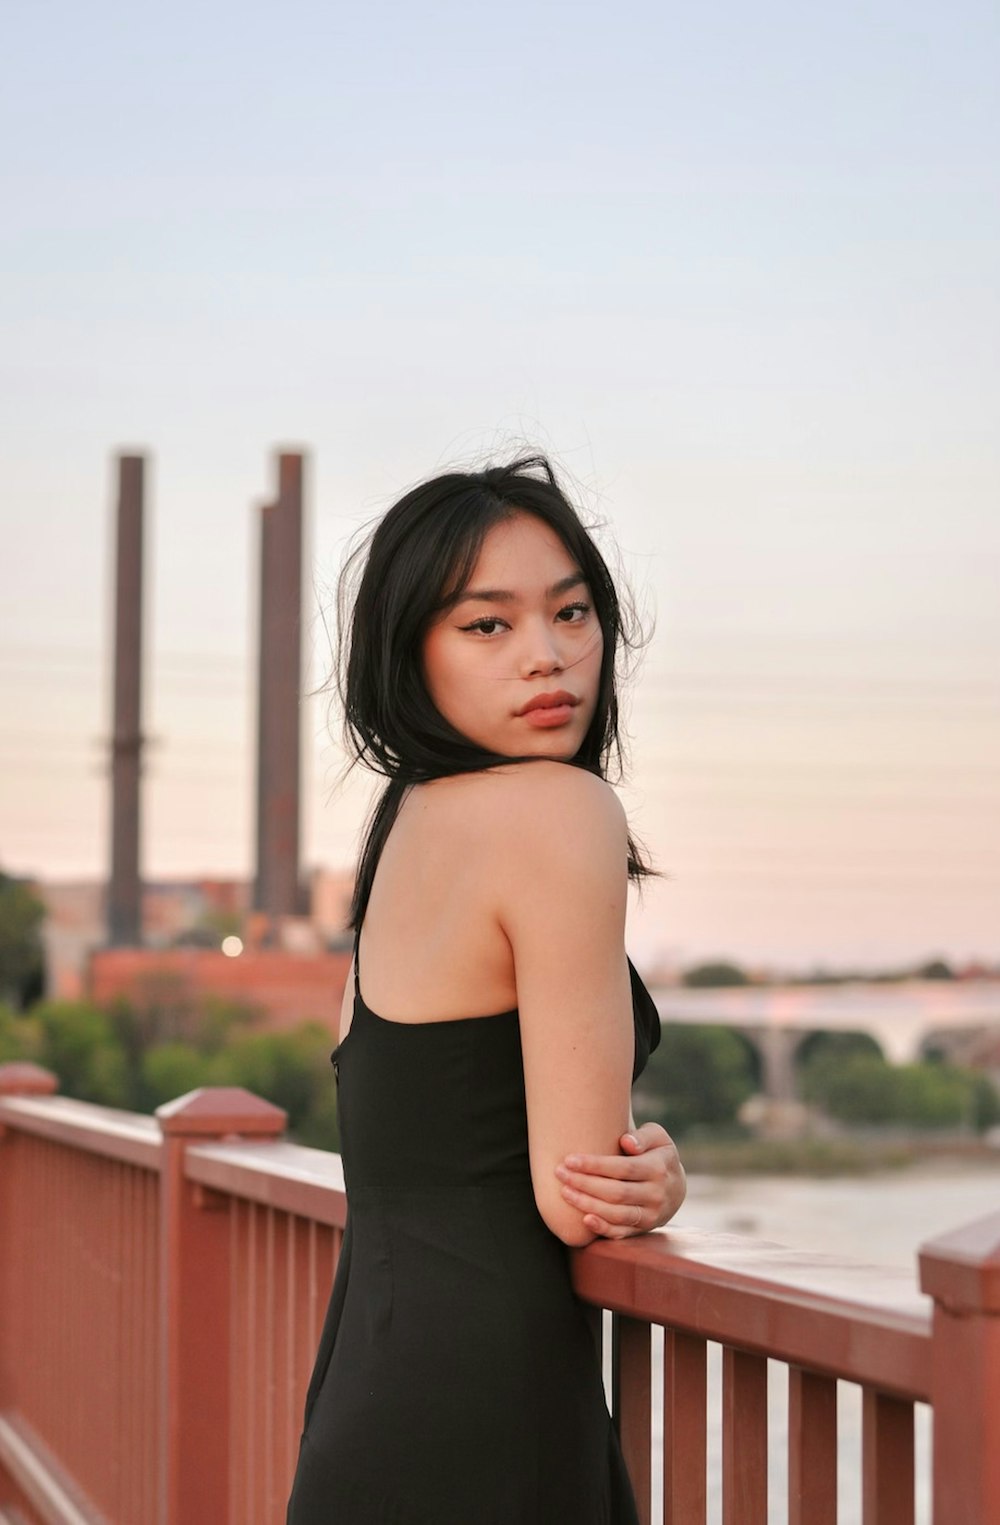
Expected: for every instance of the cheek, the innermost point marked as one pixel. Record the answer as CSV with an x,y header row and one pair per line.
x,y
447,683
596,655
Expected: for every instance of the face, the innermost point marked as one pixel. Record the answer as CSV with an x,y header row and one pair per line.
x,y
515,665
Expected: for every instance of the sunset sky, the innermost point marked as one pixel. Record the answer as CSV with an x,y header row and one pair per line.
x,y
737,269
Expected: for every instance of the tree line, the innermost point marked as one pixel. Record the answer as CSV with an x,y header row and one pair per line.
x,y
698,1078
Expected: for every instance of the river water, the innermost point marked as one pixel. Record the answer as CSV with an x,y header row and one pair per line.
x,y
879,1219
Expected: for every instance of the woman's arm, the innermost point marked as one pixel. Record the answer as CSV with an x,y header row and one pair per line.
x,y
560,880
628,1193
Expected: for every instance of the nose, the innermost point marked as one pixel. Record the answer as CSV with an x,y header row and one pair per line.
x,y
542,653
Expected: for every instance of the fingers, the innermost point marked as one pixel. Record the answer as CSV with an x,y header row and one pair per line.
x,y
646,1139
622,1167
654,1184
617,1218
646,1136
599,1225
613,1199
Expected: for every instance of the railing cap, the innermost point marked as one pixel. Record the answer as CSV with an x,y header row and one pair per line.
x,y
961,1269
216,1111
20,1077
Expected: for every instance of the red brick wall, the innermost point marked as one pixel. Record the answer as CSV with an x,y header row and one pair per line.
x,y
291,987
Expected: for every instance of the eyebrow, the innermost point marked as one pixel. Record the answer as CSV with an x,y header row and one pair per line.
x,y
504,596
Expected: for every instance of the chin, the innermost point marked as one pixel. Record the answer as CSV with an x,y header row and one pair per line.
x,y
561,748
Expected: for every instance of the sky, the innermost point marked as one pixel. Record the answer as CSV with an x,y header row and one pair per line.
x,y
736,269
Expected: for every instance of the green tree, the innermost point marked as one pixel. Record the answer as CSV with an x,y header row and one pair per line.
x,y
117,1057
291,1069
713,976
697,1076
170,1070
22,957
865,1089
318,1128
984,1102
936,969
203,1030
19,1038
825,1045
931,1096
223,1020
77,1043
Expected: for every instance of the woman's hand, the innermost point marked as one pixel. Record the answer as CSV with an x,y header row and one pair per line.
x,y
627,1193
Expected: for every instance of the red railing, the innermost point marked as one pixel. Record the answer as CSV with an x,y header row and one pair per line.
x,y
163,1282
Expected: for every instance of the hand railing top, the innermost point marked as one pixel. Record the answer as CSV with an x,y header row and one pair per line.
x,y
287,1177
867,1324
129,1136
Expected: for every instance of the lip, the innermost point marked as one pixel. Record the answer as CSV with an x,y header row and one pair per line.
x,y
557,699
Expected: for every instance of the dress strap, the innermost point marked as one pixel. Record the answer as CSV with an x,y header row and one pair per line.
x,y
357,977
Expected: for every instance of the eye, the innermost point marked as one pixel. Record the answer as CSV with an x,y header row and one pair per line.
x,y
480,624
578,608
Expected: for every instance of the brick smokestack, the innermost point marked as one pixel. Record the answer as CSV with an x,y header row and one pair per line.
x,y
276,887
124,907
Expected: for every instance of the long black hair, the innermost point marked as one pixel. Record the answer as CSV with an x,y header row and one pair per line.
x,y
418,558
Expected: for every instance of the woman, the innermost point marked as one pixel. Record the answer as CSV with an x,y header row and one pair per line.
x,y
457,1380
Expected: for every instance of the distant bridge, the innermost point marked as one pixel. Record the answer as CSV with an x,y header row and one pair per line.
x,y
777,1019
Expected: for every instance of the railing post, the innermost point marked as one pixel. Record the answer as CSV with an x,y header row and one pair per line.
x,y
633,1405
19,1077
195,1303
961,1272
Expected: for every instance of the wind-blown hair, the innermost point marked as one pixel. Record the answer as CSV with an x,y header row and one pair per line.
x,y
416,561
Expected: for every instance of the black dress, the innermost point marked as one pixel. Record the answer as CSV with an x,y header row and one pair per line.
x,y
457,1381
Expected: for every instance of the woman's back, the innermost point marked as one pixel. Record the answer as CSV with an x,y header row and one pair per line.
x,y
508,889
457,1379
432,944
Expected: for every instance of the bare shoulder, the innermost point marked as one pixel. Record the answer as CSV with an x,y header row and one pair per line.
x,y
522,835
503,807
551,825
546,796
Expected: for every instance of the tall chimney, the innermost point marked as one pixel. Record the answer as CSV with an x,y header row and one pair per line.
x,y
124,910
276,887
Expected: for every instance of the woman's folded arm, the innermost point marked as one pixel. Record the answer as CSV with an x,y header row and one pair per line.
x,y
561,892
